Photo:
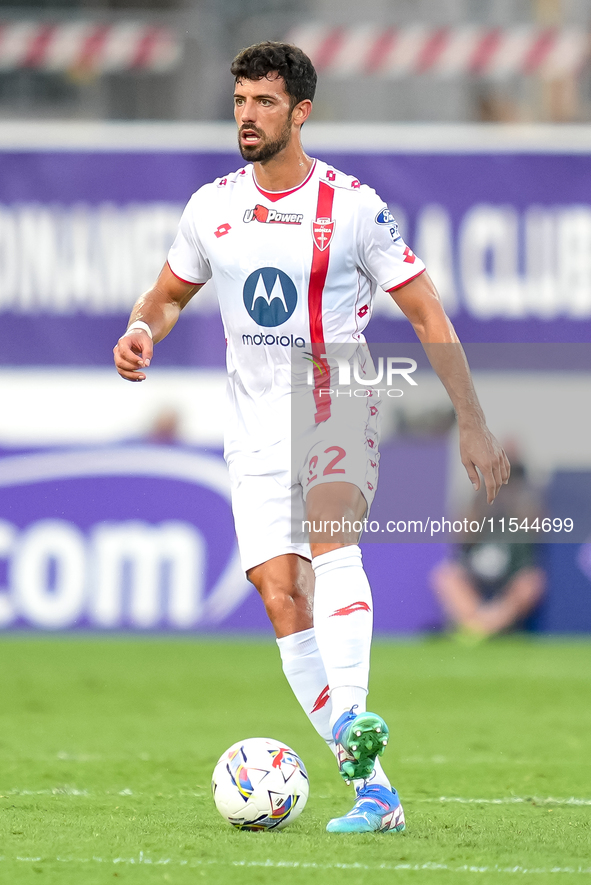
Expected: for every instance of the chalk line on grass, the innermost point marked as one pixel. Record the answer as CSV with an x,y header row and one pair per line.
x,y
53,791
308,865
509,800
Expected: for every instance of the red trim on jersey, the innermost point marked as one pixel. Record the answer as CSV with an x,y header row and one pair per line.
x,y
273,196
188,282
410,279
318,272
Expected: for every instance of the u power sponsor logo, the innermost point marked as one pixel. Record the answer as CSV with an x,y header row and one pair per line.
x,y
270,296
271,216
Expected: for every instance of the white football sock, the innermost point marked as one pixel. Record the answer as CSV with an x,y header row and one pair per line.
x,y
304,670
343,621
346,697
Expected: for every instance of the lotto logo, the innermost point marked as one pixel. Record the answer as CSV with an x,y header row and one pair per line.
x,y
355,183
409,256
222,230
362,310
331,176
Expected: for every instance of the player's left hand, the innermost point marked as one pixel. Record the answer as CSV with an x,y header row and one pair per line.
x,y
479,449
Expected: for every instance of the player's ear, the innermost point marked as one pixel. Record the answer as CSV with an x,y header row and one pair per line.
x,y
301,112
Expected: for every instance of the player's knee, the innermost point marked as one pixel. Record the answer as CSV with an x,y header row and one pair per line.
x,y
279,595
276,590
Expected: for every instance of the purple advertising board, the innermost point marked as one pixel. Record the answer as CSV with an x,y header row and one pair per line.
x,y
142,538
507,238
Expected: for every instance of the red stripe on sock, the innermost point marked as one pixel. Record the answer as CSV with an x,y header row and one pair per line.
x,y
321,701
351,609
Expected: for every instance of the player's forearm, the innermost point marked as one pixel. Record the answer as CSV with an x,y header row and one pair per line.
x,y
442,346
161,305
158,311
451,365
421,305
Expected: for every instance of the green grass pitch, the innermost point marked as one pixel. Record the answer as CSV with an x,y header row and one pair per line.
x,y
107,748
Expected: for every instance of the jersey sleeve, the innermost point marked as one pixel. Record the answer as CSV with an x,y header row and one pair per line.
x,y
383,254
186,258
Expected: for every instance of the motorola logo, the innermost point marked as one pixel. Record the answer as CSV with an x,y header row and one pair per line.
x,y
270,296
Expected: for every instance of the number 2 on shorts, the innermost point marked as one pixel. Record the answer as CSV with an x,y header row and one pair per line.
x,y
330,468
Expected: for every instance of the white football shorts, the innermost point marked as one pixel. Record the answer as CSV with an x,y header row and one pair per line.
x,y
269,487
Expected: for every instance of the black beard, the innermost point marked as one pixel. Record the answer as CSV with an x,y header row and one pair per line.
x,y
267,150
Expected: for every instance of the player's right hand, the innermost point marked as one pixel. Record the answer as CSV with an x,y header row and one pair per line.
x,y
132,354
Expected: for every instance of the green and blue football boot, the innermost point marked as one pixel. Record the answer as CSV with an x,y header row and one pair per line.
x,y
377,810
359,738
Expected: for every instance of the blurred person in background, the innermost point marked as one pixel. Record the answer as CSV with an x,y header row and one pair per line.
x,y
494,585
165,429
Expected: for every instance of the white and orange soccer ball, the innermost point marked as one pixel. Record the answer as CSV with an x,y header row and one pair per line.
x,y
260,784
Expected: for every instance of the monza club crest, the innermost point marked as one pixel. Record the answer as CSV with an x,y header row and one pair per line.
x,y
322,231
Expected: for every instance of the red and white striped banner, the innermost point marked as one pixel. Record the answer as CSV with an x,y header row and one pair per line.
x,y
443,52
88,46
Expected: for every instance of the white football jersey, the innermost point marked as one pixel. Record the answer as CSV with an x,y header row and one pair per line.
x,y
290,268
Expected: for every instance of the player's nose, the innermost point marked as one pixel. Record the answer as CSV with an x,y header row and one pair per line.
x,y
247,112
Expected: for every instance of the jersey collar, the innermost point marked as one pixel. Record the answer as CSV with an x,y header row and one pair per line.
x,y
273,196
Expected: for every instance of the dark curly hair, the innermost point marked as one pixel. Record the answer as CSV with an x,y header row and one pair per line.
x,y
288,61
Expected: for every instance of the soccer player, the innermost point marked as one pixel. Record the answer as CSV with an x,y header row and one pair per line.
x,y
296,250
